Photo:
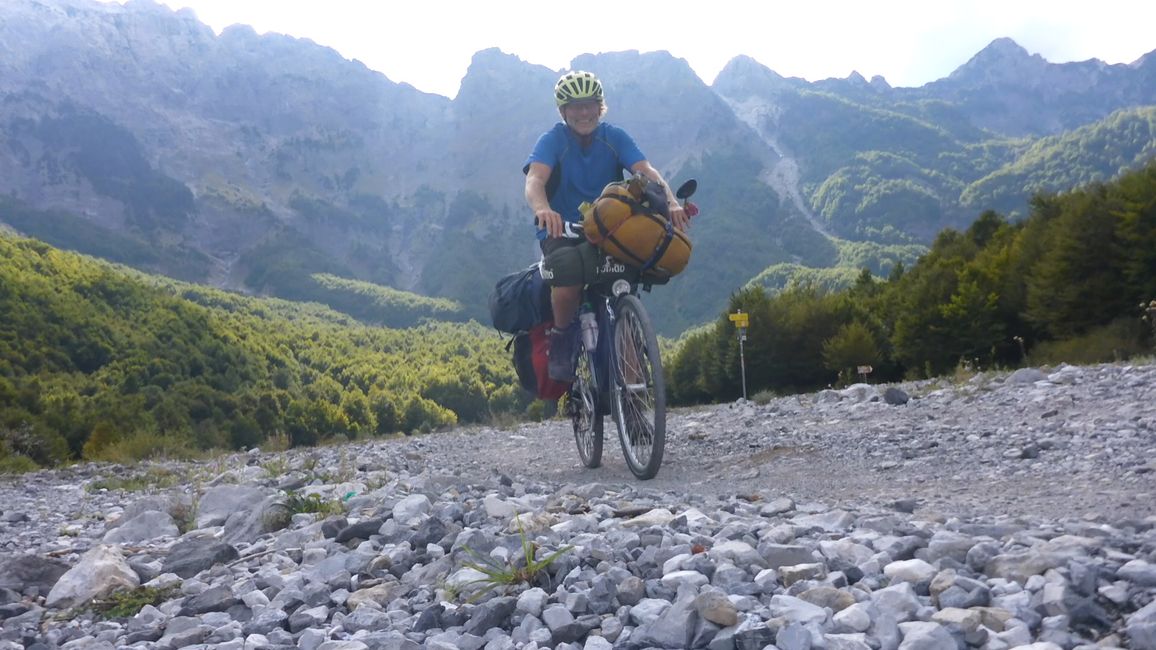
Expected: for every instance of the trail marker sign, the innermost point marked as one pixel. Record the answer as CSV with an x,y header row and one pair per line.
x,y
742,321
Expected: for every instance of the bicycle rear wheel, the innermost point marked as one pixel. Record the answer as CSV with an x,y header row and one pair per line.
x,y
638,397
585,414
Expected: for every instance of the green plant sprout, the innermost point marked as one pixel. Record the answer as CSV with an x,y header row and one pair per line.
x,y
503,575
128,602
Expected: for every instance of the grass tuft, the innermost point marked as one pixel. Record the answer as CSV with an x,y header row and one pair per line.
x,y
511,573
128,602
147,445
297,503
150,479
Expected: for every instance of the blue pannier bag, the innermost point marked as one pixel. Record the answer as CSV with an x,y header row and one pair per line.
x,y
520,301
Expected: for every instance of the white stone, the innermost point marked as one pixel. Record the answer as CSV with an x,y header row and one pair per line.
x,y
914,570
100,571
656,517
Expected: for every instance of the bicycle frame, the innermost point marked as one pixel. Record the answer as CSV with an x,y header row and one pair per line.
x,y
603,301
602,356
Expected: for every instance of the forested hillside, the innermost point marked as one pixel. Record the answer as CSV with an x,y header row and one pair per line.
x,y
1074,282
100,361
881,175
1123,141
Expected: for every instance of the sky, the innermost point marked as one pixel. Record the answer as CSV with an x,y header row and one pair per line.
x,y
429,43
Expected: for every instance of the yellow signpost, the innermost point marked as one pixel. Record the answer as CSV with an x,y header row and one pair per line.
x,y
742,321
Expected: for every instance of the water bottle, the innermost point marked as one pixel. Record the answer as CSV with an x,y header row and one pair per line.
x,y
589,327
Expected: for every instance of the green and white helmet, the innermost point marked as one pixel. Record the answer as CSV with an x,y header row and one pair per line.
x,y
577,86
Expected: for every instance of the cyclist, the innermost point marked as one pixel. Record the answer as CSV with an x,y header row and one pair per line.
x,y
572,163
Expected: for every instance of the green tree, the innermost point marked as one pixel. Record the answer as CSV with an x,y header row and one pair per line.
x,y
852,346
1078,285
384,413
356,410
463,394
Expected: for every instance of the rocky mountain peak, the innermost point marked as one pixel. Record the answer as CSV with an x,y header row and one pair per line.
x,y
636,66
494,58
1146,61
1003,62
1002,48
494,75
743,77
743,64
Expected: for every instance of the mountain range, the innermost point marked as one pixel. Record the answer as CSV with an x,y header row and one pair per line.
x,y
272,165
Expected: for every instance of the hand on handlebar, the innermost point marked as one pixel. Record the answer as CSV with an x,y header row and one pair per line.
x,y
551,221
680,216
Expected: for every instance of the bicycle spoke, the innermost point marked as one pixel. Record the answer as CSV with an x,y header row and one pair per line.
x,y
639,402
582,406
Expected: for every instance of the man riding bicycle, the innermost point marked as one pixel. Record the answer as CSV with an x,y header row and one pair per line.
x,y
571,164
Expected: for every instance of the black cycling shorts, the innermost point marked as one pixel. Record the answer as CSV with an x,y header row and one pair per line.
x,y
551,244
576,262
565,261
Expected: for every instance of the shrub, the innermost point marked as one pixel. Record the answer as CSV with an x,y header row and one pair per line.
x,y
17,464
34,443
1120,339
142,445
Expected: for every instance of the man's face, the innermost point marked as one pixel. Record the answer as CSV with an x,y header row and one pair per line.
x,y
582,116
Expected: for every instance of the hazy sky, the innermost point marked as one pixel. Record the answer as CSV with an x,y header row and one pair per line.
x,y
429,43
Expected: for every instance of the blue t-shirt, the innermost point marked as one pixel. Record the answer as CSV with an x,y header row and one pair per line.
x,y
584,172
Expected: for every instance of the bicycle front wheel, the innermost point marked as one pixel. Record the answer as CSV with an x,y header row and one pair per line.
x,y
638,397
583,408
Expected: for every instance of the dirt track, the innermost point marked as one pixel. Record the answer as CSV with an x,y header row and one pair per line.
x,y
1020,451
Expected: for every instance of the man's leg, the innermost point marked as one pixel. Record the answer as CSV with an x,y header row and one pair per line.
x,y
564,334
563,266
564,301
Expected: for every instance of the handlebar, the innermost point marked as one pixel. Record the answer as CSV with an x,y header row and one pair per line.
x,y
572,230
683,194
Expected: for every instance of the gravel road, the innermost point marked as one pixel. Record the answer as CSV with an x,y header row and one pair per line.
x,y
1053,442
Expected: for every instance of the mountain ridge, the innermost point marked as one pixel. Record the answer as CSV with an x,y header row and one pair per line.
x,y
300,161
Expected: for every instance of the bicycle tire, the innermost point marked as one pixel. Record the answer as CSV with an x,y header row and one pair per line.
x,y
585,414
638,399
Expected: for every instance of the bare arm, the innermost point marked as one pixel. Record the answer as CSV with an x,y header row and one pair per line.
x,y
544,215
677,213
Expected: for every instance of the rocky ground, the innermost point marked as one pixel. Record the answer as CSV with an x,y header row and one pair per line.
x,y
1004,511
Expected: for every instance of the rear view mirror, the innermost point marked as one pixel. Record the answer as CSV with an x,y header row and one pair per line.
x,y
686,189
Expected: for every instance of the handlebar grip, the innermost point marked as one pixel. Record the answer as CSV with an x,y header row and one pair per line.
x,y
691,209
